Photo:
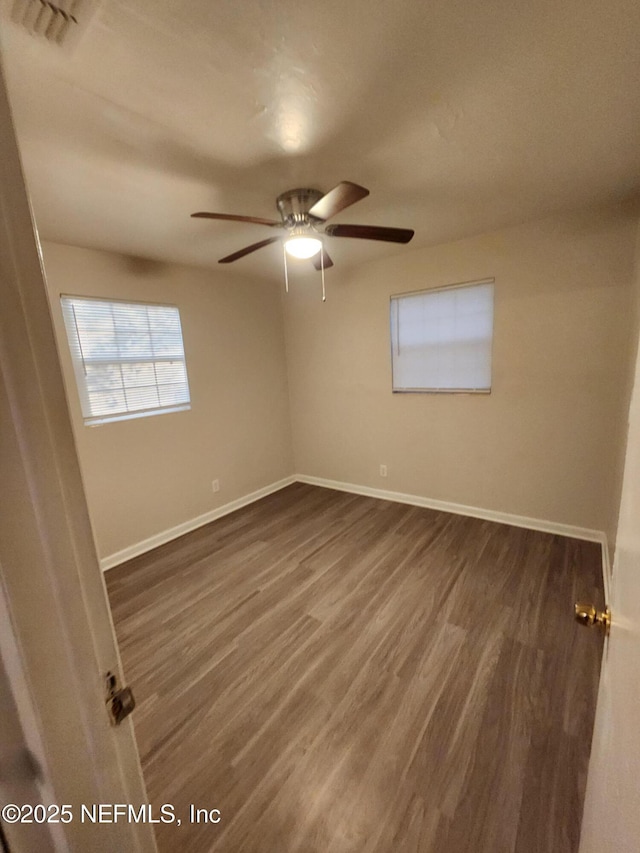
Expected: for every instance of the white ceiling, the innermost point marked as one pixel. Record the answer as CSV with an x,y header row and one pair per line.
x,y
458,115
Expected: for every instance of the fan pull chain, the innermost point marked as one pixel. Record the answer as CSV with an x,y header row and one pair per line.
x,y
286,273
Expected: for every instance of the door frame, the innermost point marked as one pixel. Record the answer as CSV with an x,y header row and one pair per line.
x,y
58,641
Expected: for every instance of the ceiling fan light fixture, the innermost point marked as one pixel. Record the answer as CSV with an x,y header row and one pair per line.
x,y
303,247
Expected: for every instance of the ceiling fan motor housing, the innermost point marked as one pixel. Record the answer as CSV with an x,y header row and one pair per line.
x,y
294,205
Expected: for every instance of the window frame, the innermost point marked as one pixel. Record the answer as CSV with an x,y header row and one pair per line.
x,y
425,290
79,375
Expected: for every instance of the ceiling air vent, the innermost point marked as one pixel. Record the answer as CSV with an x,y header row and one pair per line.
x,y
58,23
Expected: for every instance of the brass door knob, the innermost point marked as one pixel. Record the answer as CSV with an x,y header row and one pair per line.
x,y
586,614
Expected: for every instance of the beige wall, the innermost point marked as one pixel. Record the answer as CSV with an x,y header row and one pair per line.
x,y
147,475
545,443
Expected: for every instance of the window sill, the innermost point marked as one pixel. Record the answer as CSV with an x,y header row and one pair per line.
x,y
129,416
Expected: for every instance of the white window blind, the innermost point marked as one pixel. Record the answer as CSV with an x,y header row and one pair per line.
x,y
128,358
441,339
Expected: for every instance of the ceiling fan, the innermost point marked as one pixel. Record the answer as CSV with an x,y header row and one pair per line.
x,y
303,215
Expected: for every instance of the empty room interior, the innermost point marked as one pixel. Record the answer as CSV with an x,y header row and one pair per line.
x,y
352,437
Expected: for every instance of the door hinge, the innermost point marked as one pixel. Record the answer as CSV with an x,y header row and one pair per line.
x,y
120,700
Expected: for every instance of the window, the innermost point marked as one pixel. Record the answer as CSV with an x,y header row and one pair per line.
x,y
441,339
128,358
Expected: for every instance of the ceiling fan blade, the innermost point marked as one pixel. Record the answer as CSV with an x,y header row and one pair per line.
x,y
232,217
337,199
247,250
371,232
327,260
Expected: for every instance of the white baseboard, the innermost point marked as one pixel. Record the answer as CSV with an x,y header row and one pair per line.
x,y
187,526
398,497
543,525
460,509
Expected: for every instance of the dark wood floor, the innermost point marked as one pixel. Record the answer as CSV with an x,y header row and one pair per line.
x,y
339,674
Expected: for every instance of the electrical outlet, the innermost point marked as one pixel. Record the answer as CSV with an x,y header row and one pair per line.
x,y
383,470
215,485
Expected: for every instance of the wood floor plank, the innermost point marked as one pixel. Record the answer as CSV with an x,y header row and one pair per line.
x,y
554,785
487,814
339,674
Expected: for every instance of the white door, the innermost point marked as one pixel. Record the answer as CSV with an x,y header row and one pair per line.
x,y
612,804
56,637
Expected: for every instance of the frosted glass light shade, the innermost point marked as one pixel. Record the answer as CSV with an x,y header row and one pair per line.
x,y
303,247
